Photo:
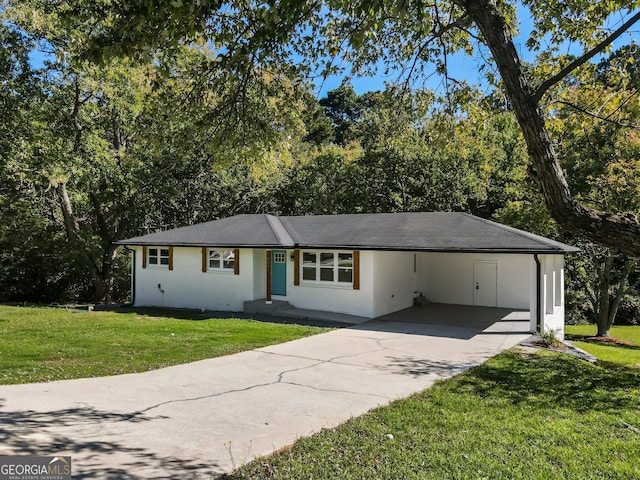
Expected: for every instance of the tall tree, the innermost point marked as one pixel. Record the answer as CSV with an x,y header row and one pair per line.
x,y
27,229
401,33
343,107
113,150
406,154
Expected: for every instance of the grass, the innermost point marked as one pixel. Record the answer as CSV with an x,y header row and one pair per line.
x,y
519,416
45,344
627,355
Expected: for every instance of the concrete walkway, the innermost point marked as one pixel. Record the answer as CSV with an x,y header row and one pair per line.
x,y
205,418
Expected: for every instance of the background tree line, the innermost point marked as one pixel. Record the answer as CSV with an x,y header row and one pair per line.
x,y
94,152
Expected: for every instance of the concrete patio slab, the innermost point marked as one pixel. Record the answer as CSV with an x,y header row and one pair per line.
x,y
205,418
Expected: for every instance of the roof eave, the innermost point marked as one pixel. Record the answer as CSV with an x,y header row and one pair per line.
x,y
387,248
198,245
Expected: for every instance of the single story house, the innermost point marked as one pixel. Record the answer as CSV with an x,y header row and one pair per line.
x,y
367,265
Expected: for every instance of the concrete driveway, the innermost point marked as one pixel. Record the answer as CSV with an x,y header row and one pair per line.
x,y
205,418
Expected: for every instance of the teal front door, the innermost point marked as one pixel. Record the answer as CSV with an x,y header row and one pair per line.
x,y
279,272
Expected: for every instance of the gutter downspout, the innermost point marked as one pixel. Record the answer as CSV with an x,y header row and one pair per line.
x,y
133,276
538,292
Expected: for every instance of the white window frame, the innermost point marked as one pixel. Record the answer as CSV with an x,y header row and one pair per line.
x,y
158,257
319,267
222,268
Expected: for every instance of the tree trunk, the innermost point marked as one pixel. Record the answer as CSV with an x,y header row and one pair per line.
x,y
101,285
70,223
608,306
603,329
622,290
602,318
617,231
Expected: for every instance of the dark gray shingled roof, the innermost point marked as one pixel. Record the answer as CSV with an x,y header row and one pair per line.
x,y
238,231
419,231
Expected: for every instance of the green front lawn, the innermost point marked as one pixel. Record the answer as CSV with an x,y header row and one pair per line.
x,y
44,344
519,416
627,355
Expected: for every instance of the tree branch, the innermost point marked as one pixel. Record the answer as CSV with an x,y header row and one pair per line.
x,y
547,84
592,295
620,231
460,23
622,290
70,221
595,115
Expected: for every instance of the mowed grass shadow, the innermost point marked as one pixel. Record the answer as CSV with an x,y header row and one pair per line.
x,y
199,315
153,312
547,381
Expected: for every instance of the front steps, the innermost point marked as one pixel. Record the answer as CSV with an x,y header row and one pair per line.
x,y
282,308
261,306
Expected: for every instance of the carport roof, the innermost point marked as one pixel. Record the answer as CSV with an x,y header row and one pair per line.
x,y
417,231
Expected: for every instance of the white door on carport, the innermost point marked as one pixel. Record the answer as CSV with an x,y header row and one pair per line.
x,y
485,292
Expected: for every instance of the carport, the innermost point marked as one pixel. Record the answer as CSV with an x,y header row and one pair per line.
x,y
532,283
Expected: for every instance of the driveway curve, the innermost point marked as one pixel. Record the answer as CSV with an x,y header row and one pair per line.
x,y
208,417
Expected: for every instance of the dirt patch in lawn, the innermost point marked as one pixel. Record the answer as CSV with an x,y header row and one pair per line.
x,y
550,345
613,340
535,341
600,340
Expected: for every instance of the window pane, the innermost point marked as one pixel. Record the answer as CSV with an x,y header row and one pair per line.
x,y
229,264
229,259
345,275
309,258
153,252
214,259
279,257
326,274
326,259
309,273
153,260
164,252
164,261
345,260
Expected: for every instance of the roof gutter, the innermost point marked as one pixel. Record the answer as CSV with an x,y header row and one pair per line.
x,y
538,293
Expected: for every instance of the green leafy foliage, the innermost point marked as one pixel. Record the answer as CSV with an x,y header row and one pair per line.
x,y
192,111
95,153
413,38
397,151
